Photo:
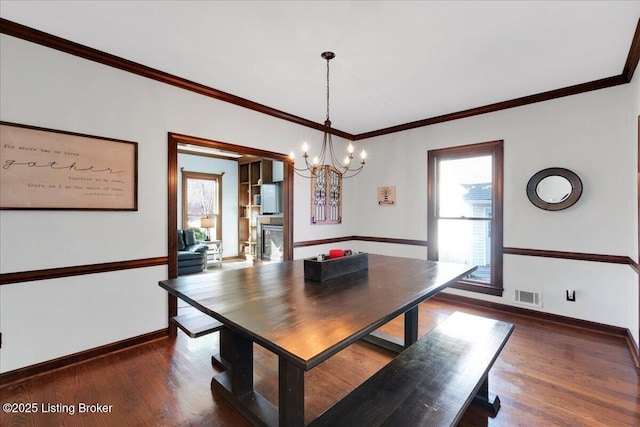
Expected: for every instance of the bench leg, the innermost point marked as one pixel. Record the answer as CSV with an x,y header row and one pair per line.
x,y
482,398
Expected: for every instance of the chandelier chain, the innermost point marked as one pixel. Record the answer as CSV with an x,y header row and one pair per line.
x,y
328,91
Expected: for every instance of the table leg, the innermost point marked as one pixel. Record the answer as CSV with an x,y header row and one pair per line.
x,y
291,394
236,383
410,327
241,355
223,359
236,352
397,344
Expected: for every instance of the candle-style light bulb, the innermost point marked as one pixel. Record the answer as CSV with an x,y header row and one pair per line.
x,y
315,161
292,156
347,160
363,155
305,147
350,148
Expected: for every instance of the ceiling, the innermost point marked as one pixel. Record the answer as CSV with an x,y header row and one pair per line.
x,y
396,61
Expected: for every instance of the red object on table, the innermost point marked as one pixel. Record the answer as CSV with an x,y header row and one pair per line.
x,y
336,253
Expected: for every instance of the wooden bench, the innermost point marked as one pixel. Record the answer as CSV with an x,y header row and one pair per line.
x,y
196,324
432,382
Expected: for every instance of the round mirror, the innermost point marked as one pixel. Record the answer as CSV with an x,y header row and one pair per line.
x,y
554,189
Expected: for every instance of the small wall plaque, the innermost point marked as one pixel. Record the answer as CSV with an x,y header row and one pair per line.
x,y
387,195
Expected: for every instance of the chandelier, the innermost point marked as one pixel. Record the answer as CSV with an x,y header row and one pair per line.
x,y
345,168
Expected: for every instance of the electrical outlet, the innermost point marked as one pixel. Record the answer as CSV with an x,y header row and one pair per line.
x,y
571,295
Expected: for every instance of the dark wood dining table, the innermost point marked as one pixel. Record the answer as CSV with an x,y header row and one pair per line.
x,y
305,322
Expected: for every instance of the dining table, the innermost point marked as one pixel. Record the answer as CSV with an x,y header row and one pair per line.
x,y
305,322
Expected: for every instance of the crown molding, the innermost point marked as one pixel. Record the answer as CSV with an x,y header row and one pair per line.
x,y
63,45
504,105
625,77
39,37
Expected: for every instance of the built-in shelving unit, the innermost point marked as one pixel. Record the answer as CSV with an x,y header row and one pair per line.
x,y
252,172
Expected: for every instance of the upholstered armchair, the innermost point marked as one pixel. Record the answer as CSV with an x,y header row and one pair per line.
x,y
192,256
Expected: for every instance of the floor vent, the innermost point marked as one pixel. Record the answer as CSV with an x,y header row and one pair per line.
x,y
529,298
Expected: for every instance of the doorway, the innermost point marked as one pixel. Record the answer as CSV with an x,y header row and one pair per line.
x,y
174,140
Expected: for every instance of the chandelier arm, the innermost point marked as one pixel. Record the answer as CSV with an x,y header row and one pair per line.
x,y
306,172
307,164
353,172
301,169
301,172
345,168
335,162
323,150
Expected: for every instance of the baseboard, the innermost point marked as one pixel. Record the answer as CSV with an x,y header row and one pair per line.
x,y
633,347
72,359
623,333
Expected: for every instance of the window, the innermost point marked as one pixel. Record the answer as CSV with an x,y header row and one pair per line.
x,y
326,196
202,198
465,212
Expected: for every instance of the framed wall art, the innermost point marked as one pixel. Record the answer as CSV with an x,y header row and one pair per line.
x,y
387,195
52,169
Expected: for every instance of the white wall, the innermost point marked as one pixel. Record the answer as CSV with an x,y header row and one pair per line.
x,y
43,87
593,134
48,319
193,163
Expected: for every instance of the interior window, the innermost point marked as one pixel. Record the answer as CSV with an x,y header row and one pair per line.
x,y
465,212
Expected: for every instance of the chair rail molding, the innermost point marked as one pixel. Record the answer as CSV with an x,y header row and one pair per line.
x,y
55,273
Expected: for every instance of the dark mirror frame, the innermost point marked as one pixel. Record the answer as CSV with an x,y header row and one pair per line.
x,y
576,189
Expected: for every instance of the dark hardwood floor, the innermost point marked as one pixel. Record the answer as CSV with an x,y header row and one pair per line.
x,y
548,374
